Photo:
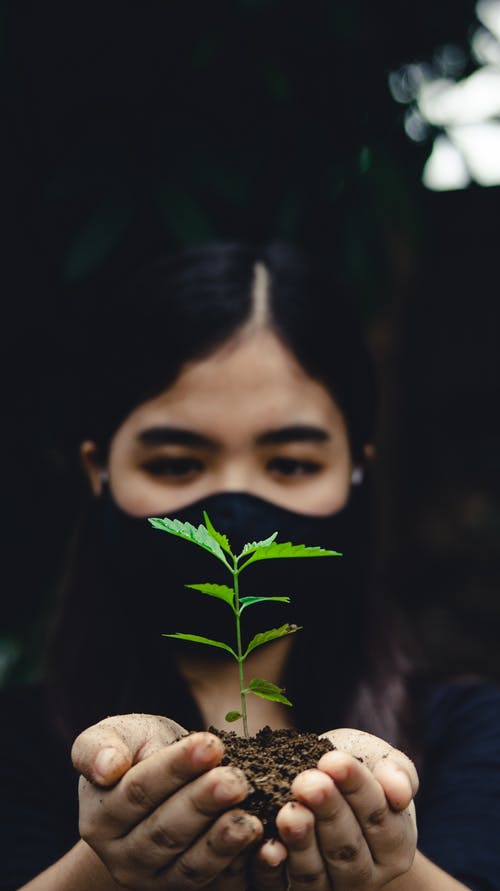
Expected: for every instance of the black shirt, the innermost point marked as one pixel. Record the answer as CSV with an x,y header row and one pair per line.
x,y
458,805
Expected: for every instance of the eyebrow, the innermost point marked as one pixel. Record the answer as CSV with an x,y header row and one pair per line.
x,y
168,435
294,433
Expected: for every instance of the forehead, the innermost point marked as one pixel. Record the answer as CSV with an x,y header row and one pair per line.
x,y
253,379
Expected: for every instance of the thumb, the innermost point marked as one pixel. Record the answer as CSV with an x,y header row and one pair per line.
x,y
104,752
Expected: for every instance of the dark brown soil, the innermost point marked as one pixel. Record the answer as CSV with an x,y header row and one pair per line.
x,y
271,760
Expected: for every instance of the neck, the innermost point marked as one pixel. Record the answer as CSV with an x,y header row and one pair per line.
x,y
215,687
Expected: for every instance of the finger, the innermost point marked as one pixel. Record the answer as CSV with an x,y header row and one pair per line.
x,y
305,864
234,876
105,751
114,812
394,770
171,828
211,855
215,855
269,867
388,834
371,751
339,835
396,783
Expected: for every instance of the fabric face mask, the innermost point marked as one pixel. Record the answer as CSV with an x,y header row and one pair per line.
x,y
151,567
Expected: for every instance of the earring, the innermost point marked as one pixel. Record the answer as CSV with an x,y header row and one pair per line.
x,y
357,475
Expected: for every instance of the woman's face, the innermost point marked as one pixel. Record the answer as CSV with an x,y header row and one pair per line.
x,y
246,419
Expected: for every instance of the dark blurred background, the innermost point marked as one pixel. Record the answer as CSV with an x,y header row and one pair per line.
x,y
126,125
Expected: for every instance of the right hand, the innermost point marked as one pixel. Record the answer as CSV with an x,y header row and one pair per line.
x,y
157,807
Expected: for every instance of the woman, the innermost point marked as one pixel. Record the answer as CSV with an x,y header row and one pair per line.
x,y
236,381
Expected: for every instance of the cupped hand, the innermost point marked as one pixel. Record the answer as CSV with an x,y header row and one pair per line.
x,y
352,823
157,807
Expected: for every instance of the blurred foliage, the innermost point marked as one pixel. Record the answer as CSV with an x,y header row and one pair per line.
x,y
188,121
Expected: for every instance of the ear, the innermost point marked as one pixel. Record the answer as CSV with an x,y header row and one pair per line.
x,y
369,452
92,465
358,471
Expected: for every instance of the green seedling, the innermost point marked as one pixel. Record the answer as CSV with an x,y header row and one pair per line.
x,y
217,544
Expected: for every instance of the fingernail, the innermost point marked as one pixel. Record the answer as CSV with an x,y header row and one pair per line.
x,y
406,782
231,788
204,752
107,762
405,790
243,827
274,855
316,797
341,773
335,765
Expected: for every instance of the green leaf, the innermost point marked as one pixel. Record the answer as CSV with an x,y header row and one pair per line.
x,y
98,237
266,690
255,545
247,601
232,716
203,640
198,535
287,549
218,536
183,216
222,592
265,636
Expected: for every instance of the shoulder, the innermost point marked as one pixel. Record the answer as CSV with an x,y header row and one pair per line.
x,y
38,801
22,698
464,712
23,704
458,809
30,743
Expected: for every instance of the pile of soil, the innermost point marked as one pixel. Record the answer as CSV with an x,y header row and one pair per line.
x,y
271,760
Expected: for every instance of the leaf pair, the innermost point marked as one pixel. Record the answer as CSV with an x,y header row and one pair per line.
x,y
265,690
258,640
208,538
222,592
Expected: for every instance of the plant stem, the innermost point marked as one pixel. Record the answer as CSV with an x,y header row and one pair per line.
x,y
239,649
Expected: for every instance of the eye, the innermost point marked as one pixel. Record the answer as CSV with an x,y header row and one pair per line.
x,y
290,467
176,468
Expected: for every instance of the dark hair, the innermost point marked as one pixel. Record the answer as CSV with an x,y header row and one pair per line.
x,y
135,335
173,310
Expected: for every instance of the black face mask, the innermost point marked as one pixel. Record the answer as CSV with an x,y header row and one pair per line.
x,y
151,567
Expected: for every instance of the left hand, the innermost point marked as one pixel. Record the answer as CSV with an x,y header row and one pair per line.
x,y
352,825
